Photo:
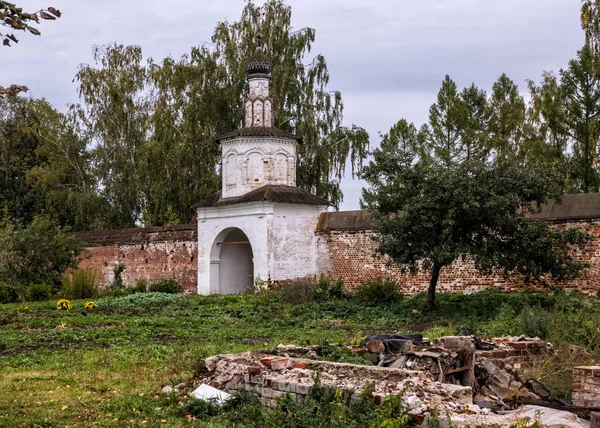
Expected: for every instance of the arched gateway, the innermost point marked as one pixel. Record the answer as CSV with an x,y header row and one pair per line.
x,y
231,262
260,225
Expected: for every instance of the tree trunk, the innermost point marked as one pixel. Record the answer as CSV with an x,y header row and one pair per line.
x,y
435,274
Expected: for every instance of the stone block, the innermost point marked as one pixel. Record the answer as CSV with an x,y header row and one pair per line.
x,y
302,388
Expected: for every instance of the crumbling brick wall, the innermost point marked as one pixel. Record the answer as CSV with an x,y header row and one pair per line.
x,y
350,254
152,254
586,386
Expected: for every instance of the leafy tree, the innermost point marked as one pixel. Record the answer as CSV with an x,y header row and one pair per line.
x,y
475,128
45,167
63,182
13,18
431,214
42,250
155,124
507,117
117,109
568,109
19,141
580,85
447,121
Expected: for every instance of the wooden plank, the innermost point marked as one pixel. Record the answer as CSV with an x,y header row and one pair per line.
x,y
460,369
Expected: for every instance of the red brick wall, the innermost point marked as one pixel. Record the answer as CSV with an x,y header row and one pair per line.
x,y
152,261
352,258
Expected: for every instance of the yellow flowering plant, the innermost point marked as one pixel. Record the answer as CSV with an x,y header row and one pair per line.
x,y
90,305
23,309
63,305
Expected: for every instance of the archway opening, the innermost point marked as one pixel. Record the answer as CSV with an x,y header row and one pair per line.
x,y
232,264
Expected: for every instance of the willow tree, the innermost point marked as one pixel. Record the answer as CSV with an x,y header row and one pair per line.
x,y
207,90
172,110
116,108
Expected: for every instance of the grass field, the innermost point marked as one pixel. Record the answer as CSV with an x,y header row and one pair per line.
x,y
104,366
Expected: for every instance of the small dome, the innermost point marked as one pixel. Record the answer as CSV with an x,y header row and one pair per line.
x,y
258,63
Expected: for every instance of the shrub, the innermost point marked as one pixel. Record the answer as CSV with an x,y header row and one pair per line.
x,y
169,286
82,284
141,286
117,284
8,293
378,290
39,292
326,289
301,290
43,251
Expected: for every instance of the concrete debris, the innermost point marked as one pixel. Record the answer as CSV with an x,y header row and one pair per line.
x,y
208,393
464,379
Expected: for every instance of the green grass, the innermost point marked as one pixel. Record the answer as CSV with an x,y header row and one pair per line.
x,y
105,366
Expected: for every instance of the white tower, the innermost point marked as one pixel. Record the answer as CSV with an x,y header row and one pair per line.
x,y
257,154
260,225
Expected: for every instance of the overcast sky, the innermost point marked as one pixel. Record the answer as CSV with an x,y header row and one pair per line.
x,y
388,58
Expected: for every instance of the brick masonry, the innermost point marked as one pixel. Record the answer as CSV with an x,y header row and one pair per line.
x,y
153,254
350,255
586,386
344,247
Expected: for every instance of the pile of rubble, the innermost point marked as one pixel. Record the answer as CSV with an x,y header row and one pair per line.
x,y
466,379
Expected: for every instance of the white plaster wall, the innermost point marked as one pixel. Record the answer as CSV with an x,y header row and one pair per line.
x,y
254,219
293,241
250,163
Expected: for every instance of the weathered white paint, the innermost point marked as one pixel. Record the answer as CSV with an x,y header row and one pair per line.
x,y
258,107
214,223
251,162
293,241
282,238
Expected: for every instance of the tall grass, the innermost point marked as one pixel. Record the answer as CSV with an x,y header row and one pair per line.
x,y
80,284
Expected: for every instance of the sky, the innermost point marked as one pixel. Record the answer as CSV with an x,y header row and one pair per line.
x,y
387,57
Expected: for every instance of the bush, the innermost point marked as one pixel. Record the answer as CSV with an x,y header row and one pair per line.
x,y
327,290
378,290
301,290
42,251
39,292
81,284
8,293
169,286
141,286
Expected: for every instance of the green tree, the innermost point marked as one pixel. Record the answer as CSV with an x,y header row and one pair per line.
x,y
20,123
580,86
43,252
45,167
63,182
507,117
162,118
431,214
117,109
475,127
448,119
